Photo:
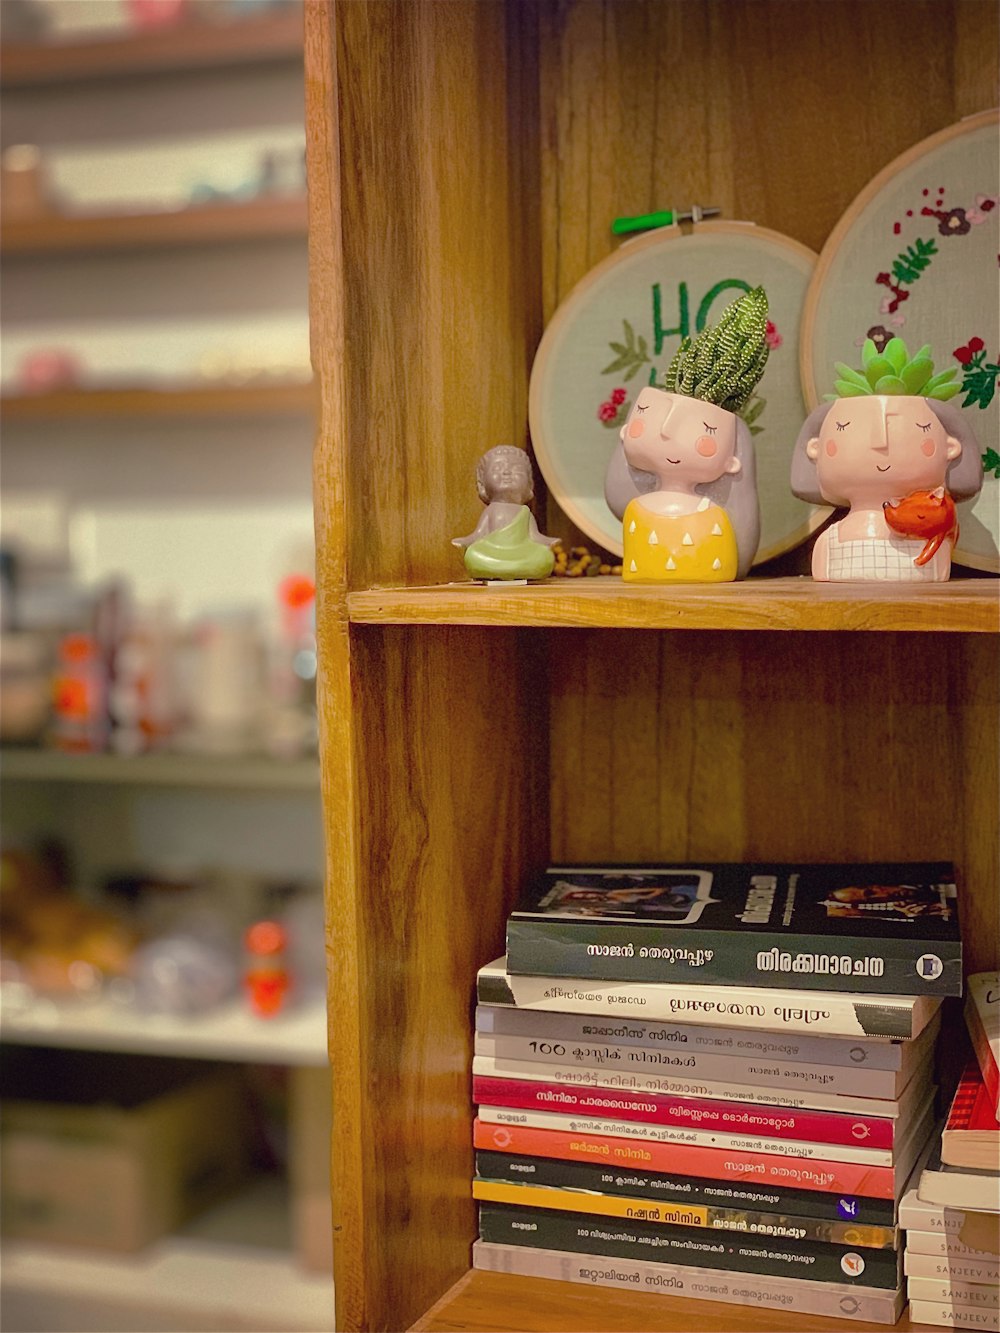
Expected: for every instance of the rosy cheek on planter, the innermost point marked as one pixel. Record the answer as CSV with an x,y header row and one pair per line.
x,y
635,429
927,448
831,448
706,446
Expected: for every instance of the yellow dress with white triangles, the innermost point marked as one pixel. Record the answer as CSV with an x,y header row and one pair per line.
x,y
699,547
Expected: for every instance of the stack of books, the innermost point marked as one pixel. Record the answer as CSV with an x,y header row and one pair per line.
x,y
713,1081
952,1215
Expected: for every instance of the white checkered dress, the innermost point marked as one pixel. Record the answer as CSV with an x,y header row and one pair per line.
x,y
885,558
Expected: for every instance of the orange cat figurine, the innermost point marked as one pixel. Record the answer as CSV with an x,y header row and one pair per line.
x,y
929,514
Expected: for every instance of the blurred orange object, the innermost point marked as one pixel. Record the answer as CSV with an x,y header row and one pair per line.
x,y
266,978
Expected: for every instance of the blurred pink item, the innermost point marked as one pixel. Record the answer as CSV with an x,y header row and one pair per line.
x,y
48,368
156,13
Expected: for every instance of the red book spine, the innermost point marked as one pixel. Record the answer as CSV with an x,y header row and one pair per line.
x,y
981,1045
874,1182
686,1112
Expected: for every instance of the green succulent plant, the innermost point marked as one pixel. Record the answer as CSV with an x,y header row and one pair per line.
x,y
894,372
724,363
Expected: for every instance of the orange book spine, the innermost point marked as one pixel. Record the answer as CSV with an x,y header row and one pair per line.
x,y
873,1182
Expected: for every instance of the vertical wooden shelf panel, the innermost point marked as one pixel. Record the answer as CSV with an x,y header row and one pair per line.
x,y
434,742
465,162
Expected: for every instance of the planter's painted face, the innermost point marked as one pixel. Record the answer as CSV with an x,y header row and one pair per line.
x,y
682,441
874,449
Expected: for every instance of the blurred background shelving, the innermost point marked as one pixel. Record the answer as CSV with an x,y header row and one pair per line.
x,y
157,409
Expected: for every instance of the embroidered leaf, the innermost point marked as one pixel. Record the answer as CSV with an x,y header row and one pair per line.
x,y
991,463
908,266
980,387
632,356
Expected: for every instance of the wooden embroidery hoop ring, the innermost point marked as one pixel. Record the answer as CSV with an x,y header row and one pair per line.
x,y
567,309
832,247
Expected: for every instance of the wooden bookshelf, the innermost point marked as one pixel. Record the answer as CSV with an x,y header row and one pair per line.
x,y
209,400
504,1303
473,735
963,606
187,46
264,219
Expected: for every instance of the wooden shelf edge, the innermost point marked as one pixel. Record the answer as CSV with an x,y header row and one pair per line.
x,y
961,606
266,218
484,1302
186,46
277,399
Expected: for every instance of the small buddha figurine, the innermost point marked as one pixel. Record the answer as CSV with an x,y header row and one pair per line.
x,y
506,543
892,450
683,480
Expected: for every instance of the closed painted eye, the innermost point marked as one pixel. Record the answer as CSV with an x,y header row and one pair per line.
x,y
711,429
842,425
641,407
923,427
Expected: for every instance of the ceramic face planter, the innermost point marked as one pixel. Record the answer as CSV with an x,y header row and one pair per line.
x,y
898,461
683,479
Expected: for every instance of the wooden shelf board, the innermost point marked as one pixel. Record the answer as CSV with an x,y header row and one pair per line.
x,y
484,1302
215,400
266,218
187,46
963,605
254,772
229,1032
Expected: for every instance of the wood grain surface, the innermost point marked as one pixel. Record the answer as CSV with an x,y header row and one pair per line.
x,y
502,1303
960,606
465,160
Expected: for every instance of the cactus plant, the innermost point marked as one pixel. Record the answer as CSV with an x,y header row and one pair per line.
x,y
724,363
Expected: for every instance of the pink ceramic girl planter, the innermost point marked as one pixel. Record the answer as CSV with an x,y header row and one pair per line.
x,y
898,460
683,480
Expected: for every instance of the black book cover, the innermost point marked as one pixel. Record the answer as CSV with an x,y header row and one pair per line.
x,y
617,1238
601,1178
888,929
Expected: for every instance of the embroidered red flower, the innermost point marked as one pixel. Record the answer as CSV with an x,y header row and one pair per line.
x,y
618,397
976,344
607,411
771,336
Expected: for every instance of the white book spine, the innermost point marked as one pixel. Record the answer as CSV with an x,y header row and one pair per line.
x,y
817,1012
747,1289
945,1243
628,1129
950,1268
916,1215
494,1058
985,1295
878,1054
954,1316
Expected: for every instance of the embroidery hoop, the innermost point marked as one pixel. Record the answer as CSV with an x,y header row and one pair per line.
x,y
573,456
863,243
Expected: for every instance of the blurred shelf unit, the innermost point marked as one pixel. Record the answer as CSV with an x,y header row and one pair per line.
x,y
291,398
249,772
266,218
233,1268
295,1038
267,40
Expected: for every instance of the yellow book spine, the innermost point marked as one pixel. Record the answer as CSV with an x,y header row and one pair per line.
x,y
580,1201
